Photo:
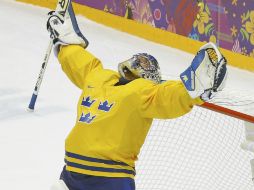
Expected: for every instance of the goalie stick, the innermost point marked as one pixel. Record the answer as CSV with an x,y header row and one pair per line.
x,y
62,7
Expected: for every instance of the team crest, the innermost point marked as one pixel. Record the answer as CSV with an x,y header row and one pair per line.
x,y
86,118
88,102
105,106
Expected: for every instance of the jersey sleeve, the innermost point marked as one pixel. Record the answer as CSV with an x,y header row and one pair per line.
x,y
77,63
166,101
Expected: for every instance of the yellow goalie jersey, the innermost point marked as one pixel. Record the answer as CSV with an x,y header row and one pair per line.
x,y
113,120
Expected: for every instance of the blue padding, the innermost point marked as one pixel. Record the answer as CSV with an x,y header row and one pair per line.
x,y
188,79
32,101
188,76
198,59
75,24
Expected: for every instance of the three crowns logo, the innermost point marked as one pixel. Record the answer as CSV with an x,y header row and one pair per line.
x,y
86,118
105,106
87,102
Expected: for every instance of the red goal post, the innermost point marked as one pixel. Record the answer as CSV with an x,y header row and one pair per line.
x,y
229,112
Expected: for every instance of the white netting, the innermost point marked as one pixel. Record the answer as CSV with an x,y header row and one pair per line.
x,y
235,100
199,151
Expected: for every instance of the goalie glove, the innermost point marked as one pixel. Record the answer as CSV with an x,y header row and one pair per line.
x,y
207,73
65,30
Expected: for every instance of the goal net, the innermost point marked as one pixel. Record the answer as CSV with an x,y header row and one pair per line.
x,y
201,150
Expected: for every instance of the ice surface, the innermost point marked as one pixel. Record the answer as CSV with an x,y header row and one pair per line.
x,y
32,144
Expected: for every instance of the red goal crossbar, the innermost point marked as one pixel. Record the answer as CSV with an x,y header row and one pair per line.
x,y
228,112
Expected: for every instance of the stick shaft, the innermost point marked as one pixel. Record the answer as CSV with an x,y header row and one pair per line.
x,y
40,77
62,7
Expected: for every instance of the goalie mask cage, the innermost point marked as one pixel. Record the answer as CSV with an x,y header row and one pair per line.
x,y
203,150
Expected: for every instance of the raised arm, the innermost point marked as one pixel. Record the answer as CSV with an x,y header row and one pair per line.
x,y
201,80
77,63
167,100
69,46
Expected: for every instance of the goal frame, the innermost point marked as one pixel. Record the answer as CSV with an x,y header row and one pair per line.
x,y
227,111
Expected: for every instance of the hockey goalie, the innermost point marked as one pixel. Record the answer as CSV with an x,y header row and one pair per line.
x,y
116,109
